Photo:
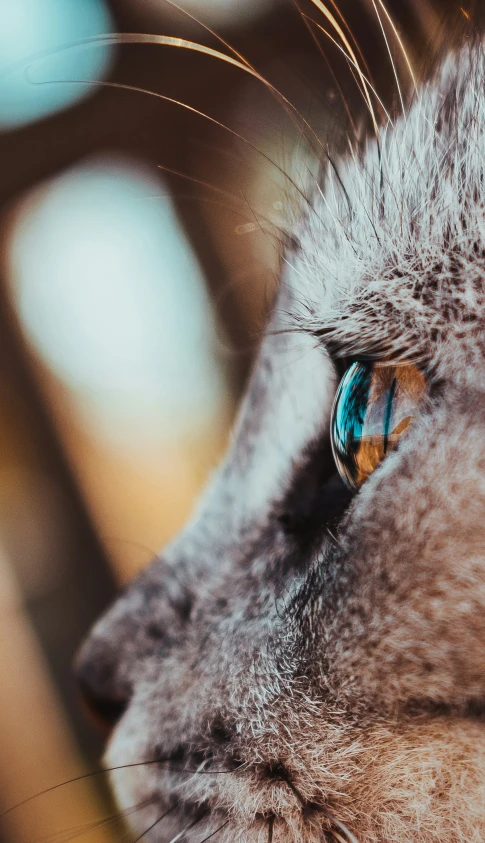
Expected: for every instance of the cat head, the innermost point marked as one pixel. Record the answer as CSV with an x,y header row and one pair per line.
x,y
306,661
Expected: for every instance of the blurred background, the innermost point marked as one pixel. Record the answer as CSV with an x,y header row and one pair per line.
x,y
144,195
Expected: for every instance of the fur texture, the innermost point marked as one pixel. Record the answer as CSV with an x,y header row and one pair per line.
x,y
315,670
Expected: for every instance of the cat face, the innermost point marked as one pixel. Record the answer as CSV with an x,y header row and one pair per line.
x,y
306,661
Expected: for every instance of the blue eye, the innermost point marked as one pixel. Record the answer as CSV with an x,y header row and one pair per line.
x,y
374,406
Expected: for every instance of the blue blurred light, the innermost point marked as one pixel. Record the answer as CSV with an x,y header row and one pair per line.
x,y
31,33
112,296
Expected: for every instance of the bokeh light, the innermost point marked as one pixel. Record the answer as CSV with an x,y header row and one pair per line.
x,y
37,78
114,305
111,293
217,12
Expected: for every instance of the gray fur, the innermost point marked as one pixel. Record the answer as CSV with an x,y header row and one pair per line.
x,y
340,681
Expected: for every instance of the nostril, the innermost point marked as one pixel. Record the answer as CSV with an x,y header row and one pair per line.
x,y
219,733
105,696
106,711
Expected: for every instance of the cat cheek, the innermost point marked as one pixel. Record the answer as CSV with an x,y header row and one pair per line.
x,y
130,784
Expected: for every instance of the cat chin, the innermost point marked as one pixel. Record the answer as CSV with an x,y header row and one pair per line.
x,y
241,809
133,783
421,782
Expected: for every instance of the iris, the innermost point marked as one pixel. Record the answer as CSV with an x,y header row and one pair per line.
x,y
374,405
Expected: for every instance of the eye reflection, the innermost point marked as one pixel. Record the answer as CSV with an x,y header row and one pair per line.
x,y
374,405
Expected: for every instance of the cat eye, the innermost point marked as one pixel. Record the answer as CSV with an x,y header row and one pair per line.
x,y
374,405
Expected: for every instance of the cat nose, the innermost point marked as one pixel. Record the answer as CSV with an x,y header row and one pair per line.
x,y
104,697
106,711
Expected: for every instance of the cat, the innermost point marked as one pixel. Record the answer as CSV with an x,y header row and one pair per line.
x,y
306,661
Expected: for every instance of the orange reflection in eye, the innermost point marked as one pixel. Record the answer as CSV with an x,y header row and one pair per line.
x,y
374,406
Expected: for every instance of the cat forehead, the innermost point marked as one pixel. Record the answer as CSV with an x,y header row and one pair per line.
x,y
391,257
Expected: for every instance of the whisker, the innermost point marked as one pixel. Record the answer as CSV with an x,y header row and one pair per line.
x,y
159,820
242,200
350,838
338,29
323,809
68,834
351,64
200,182
400,42
334,538
257,219
391,57
181,43
320,49
187,828
242,64
129,543
213,834
351,35
351,61
192,109
208,29
271,232
170,41
143,38
101,772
